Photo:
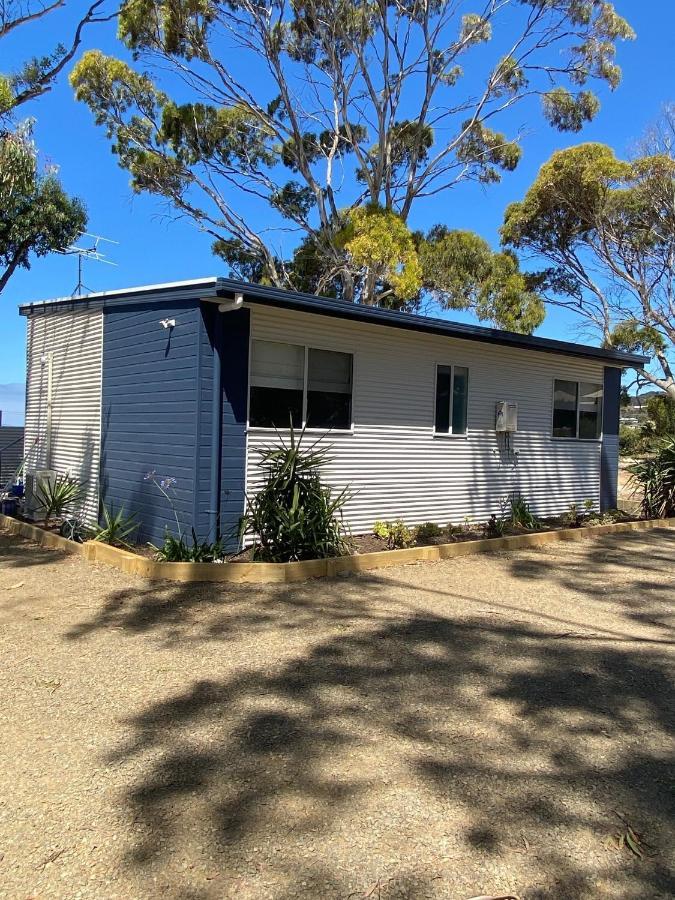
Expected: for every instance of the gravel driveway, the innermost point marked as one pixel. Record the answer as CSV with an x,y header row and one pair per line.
x,y
484,725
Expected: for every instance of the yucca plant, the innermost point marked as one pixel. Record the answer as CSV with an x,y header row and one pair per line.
x,y
57,495
117,528
654,477
294,515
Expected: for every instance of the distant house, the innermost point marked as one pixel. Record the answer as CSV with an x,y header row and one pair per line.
x,y
427,419
11,451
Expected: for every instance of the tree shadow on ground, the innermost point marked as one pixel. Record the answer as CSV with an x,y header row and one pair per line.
x,y
451,751
18,553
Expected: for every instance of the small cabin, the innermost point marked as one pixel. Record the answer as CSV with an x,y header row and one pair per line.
x,y
426,419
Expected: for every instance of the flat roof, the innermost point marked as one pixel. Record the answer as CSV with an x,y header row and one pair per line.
x,y
213,288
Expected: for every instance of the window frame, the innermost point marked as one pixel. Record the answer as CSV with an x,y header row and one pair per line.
x,y
305,381
454,435
578,382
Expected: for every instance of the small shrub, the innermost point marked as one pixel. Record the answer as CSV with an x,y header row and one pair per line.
x,y
397,535
494,527
76,530
117,528
177,549
517,512
574,517
654,477
295,516
631,440
58,495
427,532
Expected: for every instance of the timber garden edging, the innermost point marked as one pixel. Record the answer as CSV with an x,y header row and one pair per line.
x,y
260,573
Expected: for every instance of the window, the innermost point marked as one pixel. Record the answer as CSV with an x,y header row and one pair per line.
x,y
280,392
277,384
452,395
577,410
329,389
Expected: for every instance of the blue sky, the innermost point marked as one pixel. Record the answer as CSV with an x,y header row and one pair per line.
x,y
152,247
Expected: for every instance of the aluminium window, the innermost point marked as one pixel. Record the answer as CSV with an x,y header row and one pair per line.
x,y
452,398
577,409
291,382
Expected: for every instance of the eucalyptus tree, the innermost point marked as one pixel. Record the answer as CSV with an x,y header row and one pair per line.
x,y
606,227
36,215
333,119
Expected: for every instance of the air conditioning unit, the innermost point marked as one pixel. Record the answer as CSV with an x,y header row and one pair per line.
x,y
506,416
34,480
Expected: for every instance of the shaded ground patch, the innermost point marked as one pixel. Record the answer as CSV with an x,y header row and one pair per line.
x,y
477,726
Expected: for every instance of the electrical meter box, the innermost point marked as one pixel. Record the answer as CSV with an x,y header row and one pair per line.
x,y
506,416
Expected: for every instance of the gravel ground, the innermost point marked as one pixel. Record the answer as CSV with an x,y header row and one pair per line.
x,y
483,725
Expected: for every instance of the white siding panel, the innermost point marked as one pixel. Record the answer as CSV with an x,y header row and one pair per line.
x,y
393,462
75,339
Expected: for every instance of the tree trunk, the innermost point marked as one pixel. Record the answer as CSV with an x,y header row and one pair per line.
x,y
9,271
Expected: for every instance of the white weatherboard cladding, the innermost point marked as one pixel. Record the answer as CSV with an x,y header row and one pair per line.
x,y
393,462
75,340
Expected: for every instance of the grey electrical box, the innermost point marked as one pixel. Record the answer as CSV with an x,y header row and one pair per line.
x,y
506,417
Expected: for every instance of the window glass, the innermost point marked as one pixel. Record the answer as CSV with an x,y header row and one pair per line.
x,y
329,389
277,383
565,409
590,410
443,381
460,395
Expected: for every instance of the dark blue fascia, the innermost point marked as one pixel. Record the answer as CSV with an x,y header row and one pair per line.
x,y
269,296
158,414
609,452
256,293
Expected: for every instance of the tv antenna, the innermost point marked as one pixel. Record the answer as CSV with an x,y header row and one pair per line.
x,y
83,253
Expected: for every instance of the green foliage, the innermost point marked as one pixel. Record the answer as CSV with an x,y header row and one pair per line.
x,y
334,79
631,440
381,247
462,272
654,477
495,527
607,227
427,532
397,535
293,515
569,112
177,549
57,495
38,217
517,512
660,417
74,529
117,529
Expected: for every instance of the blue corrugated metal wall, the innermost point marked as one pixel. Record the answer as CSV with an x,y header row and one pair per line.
x,y
609,459
157,406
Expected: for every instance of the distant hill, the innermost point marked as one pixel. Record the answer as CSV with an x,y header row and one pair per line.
x,y
642,399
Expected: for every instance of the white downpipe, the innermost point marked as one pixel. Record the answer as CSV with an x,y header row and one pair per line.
x,y
50,385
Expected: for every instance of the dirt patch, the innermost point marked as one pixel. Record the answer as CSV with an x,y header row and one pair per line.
x,y
485,725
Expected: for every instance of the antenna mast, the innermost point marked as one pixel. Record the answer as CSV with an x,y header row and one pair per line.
x,y
83,253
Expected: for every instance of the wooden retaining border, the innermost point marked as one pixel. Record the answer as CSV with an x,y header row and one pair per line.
x,y
258,573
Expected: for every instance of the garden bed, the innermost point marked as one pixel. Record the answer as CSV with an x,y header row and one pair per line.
x,y
242,570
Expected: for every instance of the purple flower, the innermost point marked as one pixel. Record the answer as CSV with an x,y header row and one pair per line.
x,y
150,476
167,482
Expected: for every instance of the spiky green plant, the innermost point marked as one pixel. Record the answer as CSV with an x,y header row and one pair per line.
x,y
654,477
57,495
117,527
178,549
294,515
